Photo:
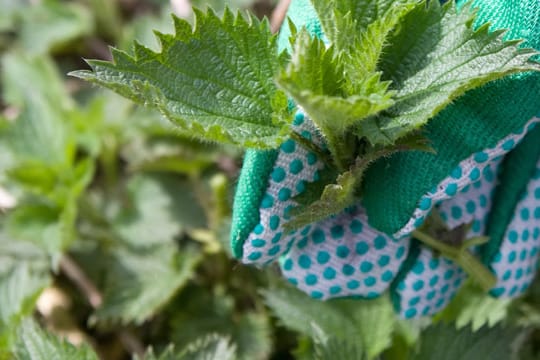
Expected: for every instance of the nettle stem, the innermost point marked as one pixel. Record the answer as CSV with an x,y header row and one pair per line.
x,y
308,144
472,265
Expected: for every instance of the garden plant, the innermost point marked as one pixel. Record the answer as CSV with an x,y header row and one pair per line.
x,y
358,179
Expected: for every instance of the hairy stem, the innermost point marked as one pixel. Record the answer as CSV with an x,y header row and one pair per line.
x,y
472,265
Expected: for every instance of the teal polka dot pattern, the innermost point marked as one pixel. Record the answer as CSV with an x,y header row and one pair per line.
x,y
352,258
293,168
429,286
467,173
432,281
344,256
472,204
516,262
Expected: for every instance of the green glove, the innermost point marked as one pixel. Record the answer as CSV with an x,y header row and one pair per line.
x,y
345,255
514,224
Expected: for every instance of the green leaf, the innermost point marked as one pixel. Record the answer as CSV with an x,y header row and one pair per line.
x,y
140,282
298,312
337,196
212,347
10,12
359,30
369,323
314,79
430,63
41,132
476,308
37,223
35,344
167,354
205,313
25,76
222,87
334,198
24,272
51,25
361,14
160,209
328,348
445,342
49,221
375,320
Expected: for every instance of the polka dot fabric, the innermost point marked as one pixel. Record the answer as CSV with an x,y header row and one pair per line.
x,y
468,172
432,281
343,256
516,262
429,285
294,168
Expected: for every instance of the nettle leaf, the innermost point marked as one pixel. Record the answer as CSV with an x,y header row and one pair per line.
x,y
36,344
328,348
168,354
215,313
445,342
359,30
213,81
369,323
474,307
361,14
49,221
314,79
139,283
40,134
375,320
435,57
160,209
209,347
212,347
25,76
334,198
24,272
343,192
299,312
48,26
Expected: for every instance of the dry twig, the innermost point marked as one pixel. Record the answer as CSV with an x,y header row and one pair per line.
x,y
70,268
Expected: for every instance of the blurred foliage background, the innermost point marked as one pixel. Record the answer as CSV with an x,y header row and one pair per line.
x,y
114,228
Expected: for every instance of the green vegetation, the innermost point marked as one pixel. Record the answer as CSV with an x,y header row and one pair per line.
x,y
114,221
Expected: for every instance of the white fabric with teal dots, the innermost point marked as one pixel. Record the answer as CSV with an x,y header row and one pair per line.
x,y
433,281
516,262
467,172
294,167
429,286
343,256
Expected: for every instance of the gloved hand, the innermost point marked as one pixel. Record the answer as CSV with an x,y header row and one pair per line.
x,y
345,255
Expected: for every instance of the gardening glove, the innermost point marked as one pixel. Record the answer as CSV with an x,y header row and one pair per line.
x,y
514,223
344,255
397,200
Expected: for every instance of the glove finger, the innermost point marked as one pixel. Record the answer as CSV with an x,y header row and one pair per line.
x,y
516,262
344,256
258,235
427,281
467,173
476,121
514,257
429,284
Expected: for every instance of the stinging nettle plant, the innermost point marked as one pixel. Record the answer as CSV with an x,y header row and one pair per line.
x,y
383,70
